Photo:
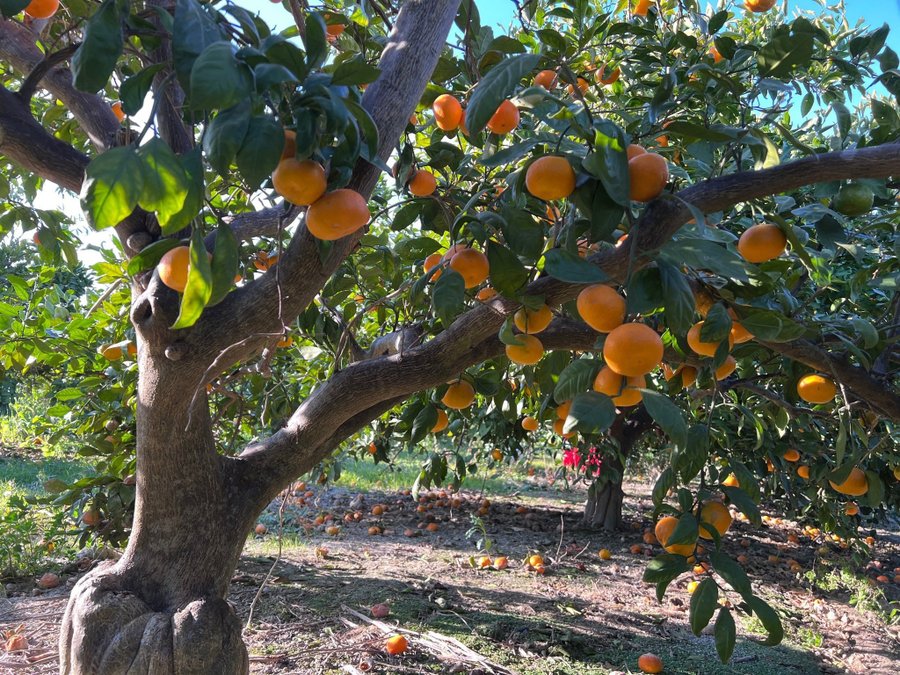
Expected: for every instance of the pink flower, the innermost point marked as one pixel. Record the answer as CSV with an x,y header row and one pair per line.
x,y
571,458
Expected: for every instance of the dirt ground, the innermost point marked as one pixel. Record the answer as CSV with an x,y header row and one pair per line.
x,y
584,615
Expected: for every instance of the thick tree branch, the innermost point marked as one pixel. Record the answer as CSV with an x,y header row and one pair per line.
x,y
93,114
260,309
878,395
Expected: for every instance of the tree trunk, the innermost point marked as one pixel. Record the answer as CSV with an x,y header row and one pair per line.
x,y
161,608
603,508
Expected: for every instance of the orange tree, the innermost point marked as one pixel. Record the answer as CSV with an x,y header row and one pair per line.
x,y
581,193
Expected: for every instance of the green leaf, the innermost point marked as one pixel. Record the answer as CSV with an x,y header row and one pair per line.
x,y
726,634
315,41
703,254
677,296
666,481
423,423
495,87
663,569
193,31
507,274
522,233
192,163
199,284
225,136
101,46
769,619
10,8
608,161
565,266
165,184
135,88
150,255
261,149
692,457
782,54
667,415
224,264
449,296
733,573
355,71
69,394
575,378
716,324
113,184
875,494
704,600
744,503
686,531
591,413
218,81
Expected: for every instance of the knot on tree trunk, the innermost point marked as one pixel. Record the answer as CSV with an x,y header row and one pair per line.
x,y
109,630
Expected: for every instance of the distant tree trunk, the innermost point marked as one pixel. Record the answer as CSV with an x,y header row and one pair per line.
x,y
603,508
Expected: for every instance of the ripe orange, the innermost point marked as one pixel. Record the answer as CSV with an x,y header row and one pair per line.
x,y
260,529
634,150
856,484
550,177
603,77
562,410
761,243
529,423
545,79
286,341
623,393
851,509
505,119
485,294
558,427
448,112
648,173
664,529
111,352
442,422
633,349
430,263
337,214
497,455
472,265
739,334
91,517
535,560
396,644
759,5
42,9
501,562
527,353
816,389
641,9
715,54
731,481
173,268
716,514
704,348
692,586
333,31
533,320
422,183
727,368
605,554
301,182
583,86
803,471
649,663
459,395
601,307
117,111
688,374
791,455
290,144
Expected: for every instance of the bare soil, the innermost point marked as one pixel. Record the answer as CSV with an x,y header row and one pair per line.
x,y
310,601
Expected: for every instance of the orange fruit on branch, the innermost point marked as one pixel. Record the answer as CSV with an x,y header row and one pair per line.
x,y
545,79
855,485
624,393
583,86
533,320
704,348
42,9
472,265
527,353
173,268
851,509
290,144
761,243
117,111
430,263
459,395
529,423
505,119
664,529
562,410
816,389
337,214
601,307
759,5
640,9
803,471
559,426
791,455
648,174
485,294
448,112
727,368
301,182
442,422
633,150
422,183
602,76
550,177
716,514
633,349
739,334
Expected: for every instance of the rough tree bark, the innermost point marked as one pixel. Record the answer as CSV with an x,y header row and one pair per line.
x,y
603,507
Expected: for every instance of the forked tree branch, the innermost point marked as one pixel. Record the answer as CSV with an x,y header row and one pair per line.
x,y
363,386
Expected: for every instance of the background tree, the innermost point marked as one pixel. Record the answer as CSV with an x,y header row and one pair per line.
x,y
543,164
